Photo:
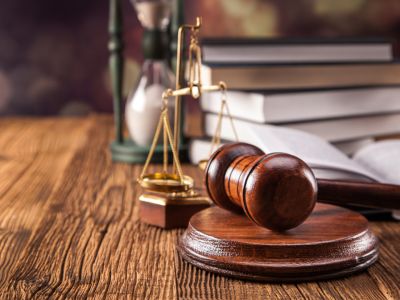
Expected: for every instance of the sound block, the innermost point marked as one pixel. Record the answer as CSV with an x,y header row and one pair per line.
x,y
168,211
332,242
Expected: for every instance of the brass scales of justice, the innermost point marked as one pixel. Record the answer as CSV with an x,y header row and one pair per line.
x,y
170,198
332,241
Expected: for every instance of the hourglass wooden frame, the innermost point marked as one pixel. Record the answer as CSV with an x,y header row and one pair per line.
x,y
123,149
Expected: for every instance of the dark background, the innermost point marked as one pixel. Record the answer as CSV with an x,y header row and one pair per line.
x,y
53,54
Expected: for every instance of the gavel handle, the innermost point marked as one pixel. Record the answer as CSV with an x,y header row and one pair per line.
x,y
359,193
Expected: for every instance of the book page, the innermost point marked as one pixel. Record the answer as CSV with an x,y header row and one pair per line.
x,y
338,174
383,159
317,152
313,150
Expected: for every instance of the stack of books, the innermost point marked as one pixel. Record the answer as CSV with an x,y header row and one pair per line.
x,y
346,92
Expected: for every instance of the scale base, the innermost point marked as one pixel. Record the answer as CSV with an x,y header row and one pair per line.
x,y
166,211
129,152
333,242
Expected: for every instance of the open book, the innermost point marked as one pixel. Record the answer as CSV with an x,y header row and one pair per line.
x,y
376,162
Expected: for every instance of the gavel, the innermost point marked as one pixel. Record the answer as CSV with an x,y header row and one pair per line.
x,y
278,191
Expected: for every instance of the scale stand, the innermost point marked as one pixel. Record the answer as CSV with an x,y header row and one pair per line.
x,y
170,198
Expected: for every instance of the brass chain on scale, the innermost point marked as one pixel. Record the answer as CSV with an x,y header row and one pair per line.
x,y
216,140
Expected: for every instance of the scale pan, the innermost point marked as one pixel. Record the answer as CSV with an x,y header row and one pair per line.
x,y
164,182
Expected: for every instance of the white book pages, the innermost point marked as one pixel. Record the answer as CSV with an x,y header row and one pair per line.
x,y
339,174
351,128
241,105
351,147
383,159
313,150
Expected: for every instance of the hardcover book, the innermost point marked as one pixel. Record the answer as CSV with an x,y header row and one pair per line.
x,y
286,107
301,76
335,130
294,50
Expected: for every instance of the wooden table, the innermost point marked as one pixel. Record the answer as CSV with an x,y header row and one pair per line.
x,y
69,228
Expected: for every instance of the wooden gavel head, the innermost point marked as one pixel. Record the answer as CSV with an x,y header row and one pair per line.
x,y
277,191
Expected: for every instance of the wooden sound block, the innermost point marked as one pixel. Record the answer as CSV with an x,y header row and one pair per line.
x,y
332,242
166,211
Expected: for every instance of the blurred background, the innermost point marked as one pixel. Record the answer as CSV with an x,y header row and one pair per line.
x,y
53,54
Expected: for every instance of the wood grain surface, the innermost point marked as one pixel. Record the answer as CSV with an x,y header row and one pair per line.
x,y
69,228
